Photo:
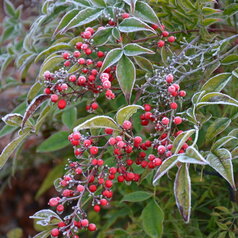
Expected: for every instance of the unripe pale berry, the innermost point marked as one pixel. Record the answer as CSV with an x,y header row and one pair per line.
x,y
169,78
80,188
54,98
106,84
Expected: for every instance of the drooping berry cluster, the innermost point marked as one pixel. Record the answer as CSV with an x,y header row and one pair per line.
x,y
80,75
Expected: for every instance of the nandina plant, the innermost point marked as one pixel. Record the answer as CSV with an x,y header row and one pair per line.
x,y
132,77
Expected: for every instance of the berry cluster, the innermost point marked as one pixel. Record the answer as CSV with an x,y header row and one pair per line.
x,y
80,75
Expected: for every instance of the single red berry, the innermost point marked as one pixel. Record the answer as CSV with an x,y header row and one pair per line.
x,y
171,39
94,72
80,188
147,107
62,104
125,15
120,178
87,143
92,188
93,150
182,93
88,51
76,136
171,89
161,43
92,227
169,78
137,140
54,98
61,224
157,161
47,91
72,78
78,171
165,33
127,125
154,26
101,180
173,105
76,54
108,131
94,106
97,208
53,202
84,222
81,61
177,87
103,202
90,29
106,84
108,183
89,62
112,141
161,149
60,208
79,45
67,63
165,121
100,54
55,232
87,35
99,64
65,55
177,120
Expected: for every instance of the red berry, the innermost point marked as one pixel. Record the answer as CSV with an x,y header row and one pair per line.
x,y
92,188
165,121
137,140
97,208
84,222
90,29
182,93
154,26
112,141
92,227
100,54
108,183
157,161
171,89
127,125
99,64
79,45
169,78
88,51
171,39
54,98
78,171
177,120
147,107
81,61
177,87
103,202
53,202
67,63
173,105
60,208
65,55
87,143
125,15
55,232
72,78
47,91
80,188
94,106
161,149
108,131
106,84
165,33
161,43
62,104
87,35
76,54
120,178
93,150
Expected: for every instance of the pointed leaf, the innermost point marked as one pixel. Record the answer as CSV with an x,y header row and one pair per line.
x,y
135,49
33,107
146,13
165,167
217,83
13,119
153,218
111,58
133,24
10,148
192,156
102,36
143,63
219,143
182,191
69,117
126,76
44,113
137,196
35,88
98,3
220,160
98,122
85,16
217,98
57,141
180,140
230,59
126,113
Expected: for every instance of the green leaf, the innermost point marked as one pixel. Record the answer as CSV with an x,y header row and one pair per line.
x,y
48,182
165,167
210,21
221,161
116,33
215,98
66,19
102,36
98,122
134,24
137,196
182,191
111,58
209,11
126,76
219,143
9,8
192,156
126,113
146,13
230,59
50,64
231,9
231,234
180,140
85,16
99,3
43,234
10,148
69,117
55,142
217,127
44,113
59,47
217,83
152,220
135,49
234,153
15,233
46,217
81,3
143,63
13,119
35,88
